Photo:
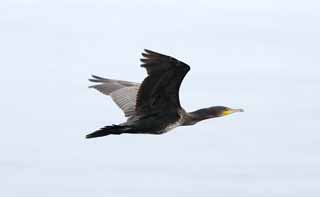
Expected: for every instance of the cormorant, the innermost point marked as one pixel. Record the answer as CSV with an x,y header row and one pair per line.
x,y
153,107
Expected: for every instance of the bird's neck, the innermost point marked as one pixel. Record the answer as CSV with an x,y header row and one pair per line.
x,y
199,115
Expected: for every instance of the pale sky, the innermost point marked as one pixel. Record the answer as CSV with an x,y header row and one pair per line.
x,y
262,56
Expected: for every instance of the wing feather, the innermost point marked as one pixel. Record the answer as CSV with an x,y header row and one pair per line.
x,y
125,98
160,89
123,93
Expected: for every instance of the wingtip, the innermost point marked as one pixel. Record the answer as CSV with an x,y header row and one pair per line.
x,y
143,60
145,54
150,52
94,80
97,77
93,77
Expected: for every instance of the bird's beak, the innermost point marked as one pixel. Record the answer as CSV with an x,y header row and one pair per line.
x,y
231,111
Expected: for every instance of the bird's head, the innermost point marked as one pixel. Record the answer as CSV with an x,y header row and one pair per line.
x,y
218,111
211,112
208,113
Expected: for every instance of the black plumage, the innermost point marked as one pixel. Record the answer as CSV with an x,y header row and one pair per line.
x,y
154,105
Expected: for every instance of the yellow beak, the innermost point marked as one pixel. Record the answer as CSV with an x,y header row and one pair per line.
x,y
231,111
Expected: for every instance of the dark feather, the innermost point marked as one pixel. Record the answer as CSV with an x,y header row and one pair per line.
x,y
108,130
160,89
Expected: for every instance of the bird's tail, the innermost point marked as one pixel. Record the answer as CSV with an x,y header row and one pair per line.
x,y
113,129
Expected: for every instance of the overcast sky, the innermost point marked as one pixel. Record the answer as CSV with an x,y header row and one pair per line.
x,y
262,56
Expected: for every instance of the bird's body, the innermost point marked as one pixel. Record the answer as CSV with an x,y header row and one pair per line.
x,y
153,107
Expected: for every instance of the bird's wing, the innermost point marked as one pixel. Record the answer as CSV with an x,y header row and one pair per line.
x,y
160,89
123,93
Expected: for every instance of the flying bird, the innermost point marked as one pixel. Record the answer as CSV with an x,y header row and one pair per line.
x,y
153,107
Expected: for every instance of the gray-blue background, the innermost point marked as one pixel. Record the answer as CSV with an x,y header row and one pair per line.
x,y
262,56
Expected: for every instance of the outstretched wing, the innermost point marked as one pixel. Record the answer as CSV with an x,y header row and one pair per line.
x,y
160,89
123,93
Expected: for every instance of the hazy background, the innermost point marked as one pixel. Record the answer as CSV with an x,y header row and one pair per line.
x,y
262,56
